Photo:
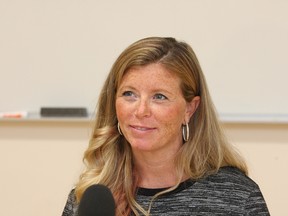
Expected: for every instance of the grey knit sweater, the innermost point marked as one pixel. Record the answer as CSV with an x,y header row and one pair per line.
x,y
229,192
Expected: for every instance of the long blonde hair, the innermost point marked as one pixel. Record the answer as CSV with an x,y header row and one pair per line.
x,y
109,159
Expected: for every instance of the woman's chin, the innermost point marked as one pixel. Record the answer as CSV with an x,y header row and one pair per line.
x,y
142,146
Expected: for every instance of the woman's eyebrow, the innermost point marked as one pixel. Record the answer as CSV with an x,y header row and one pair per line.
x,y
126,86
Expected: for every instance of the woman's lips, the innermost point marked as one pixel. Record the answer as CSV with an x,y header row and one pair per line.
x,y
142,128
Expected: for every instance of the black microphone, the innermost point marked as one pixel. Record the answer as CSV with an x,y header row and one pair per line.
x,y
97,200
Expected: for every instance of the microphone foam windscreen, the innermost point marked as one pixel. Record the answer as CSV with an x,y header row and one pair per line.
x,y
97,200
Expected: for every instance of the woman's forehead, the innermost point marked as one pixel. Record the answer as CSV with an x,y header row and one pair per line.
x,y
152,75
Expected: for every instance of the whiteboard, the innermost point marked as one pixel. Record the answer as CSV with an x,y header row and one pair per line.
x,y
59,52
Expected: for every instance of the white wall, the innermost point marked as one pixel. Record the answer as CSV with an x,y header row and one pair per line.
x,y
65,48
40,161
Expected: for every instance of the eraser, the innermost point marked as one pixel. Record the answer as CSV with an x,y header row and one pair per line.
x,y
63,112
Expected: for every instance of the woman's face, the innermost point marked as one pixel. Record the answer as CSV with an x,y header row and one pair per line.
x,y
151,109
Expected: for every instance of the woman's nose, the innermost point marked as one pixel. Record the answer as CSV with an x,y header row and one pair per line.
x,y
143,109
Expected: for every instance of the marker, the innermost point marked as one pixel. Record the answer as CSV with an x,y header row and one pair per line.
x,y
22,114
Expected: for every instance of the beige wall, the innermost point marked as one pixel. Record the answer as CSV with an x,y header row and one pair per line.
x,y
40,161
265,148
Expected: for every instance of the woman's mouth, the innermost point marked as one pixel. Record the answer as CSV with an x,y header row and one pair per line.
x,y
142,128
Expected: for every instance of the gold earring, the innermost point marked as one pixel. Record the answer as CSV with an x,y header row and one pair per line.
x,y
119,130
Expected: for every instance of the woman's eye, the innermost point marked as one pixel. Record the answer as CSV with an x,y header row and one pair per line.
x,y
160,97
128,94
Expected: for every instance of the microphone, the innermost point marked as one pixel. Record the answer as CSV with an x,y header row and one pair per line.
x,y
97,200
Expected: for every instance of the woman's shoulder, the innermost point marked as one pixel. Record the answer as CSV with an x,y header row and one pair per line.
x,y
231,177
231,186
71,206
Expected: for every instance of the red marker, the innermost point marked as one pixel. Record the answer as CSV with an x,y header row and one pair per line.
x,y
13,114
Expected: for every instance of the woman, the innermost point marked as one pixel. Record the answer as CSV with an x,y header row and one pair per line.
x,y
157,143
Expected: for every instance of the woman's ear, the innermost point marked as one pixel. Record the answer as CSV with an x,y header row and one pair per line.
x,y
191,108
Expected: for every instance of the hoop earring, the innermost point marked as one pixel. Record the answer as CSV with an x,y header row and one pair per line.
x,y
185,132
119,129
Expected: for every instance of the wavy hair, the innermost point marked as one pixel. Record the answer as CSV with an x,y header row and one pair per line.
x,y
109,158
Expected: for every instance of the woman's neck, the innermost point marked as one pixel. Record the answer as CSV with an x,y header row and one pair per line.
x,y
155,172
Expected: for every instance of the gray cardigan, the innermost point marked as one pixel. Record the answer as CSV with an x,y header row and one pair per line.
x,y
228,192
